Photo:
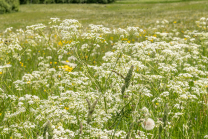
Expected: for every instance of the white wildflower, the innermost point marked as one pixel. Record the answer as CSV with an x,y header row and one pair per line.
x,y
206,136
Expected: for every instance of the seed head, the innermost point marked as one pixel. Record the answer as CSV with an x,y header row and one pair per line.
x,y
148,124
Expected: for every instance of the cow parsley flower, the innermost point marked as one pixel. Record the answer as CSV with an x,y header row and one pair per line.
x,y
206,136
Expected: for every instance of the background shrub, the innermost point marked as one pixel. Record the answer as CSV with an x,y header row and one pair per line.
x,y
24,1
4,7
47,1
35,1
64,1
105,1
14,4
7,6
92,1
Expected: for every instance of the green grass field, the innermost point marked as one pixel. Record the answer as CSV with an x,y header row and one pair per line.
x,y
112,15
131,69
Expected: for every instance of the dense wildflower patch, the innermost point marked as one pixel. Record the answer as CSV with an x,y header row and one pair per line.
x,y
64,81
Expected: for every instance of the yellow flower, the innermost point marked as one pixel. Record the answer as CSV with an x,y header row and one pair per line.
x,y
67,68
60,43
66,108
174,22
0,114
21,64
0,72
157,103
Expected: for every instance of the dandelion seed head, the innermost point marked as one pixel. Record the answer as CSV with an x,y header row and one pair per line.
x,y
148,124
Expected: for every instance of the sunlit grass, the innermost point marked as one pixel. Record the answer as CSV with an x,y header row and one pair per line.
x,y
111,15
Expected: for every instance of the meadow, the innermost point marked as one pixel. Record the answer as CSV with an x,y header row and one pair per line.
x,y
124,70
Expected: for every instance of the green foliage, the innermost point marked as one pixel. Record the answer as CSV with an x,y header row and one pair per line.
x,y
91,1
46,1
24,1
105,1
75,1
32,1
35,1
14,4
4,7
9,6
64,1
101,1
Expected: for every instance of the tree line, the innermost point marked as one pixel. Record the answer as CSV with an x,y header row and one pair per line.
x,y
7,6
